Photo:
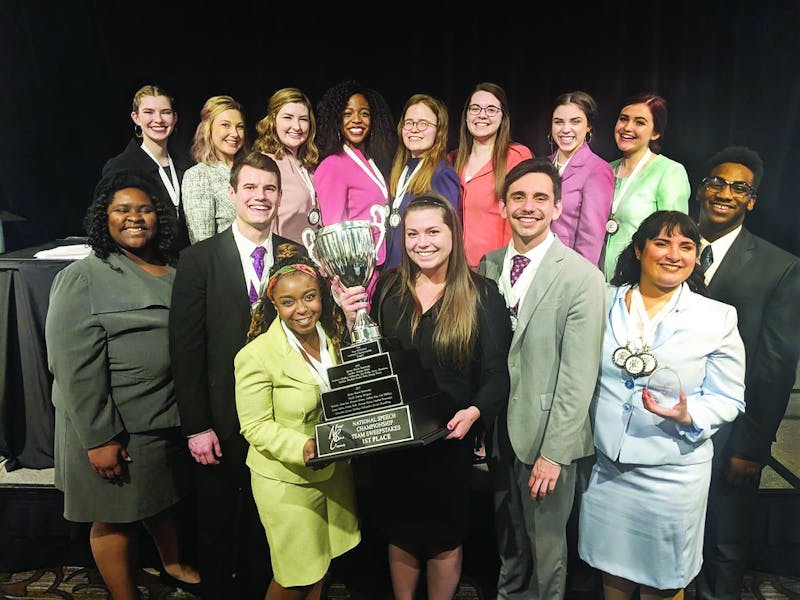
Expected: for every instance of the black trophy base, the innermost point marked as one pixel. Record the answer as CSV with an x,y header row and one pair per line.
x,y
388,429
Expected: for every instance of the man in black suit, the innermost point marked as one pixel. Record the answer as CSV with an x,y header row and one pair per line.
x,y
763,283
215,285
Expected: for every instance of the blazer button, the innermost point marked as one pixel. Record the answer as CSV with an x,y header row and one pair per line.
x,y
626,407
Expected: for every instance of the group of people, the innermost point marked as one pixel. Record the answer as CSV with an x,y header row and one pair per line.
x,y
190,349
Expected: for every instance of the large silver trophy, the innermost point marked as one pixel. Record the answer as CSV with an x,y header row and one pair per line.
x,y
348,249
381,396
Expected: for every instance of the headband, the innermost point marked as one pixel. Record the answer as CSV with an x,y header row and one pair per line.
x,y
285,270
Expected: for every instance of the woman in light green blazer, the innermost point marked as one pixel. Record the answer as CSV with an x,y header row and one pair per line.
x,y
309,514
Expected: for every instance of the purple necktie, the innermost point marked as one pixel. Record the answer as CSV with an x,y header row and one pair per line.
x,y
258,264
518,264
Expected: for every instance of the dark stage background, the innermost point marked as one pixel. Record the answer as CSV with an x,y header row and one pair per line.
x,y
729,70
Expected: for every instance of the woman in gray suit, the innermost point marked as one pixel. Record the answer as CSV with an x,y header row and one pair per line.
x,y
642,516
120,458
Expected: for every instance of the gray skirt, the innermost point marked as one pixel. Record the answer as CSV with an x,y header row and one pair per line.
x,y
157,477
645,523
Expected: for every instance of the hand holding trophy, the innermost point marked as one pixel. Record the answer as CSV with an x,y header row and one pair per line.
x,y
381,396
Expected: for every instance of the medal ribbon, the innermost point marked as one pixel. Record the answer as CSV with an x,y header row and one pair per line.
x,y
644,326
371,169
173,187
620,193
403,186
318,368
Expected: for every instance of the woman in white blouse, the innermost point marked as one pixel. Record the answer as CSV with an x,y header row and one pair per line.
x,y
219,136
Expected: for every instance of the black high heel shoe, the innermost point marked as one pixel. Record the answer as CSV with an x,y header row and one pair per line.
x,y
192,588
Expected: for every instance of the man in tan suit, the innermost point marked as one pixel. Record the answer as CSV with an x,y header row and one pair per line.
x,y
555,299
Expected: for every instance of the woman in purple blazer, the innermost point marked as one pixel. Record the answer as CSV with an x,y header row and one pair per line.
x,y
587,188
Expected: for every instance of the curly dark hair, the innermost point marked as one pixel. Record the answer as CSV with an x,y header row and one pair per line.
x,y
96,220
629,269
332,317
382,140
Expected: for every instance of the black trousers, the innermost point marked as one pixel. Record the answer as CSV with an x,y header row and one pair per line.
x,y
728,534
232,545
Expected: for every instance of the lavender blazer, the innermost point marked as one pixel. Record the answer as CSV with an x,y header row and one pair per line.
x,y
587,190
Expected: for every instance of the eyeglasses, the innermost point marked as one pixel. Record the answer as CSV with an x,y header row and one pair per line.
x,y
739,189
421,125
491,110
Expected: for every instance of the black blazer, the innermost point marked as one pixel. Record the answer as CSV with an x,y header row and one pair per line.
x,y
209,319
135,159
763,283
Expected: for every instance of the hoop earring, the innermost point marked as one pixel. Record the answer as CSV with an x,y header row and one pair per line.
x,y
137,131
549,139
588,137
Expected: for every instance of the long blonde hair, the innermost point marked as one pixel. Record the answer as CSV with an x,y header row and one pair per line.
x,y
421,181
456,329
267,141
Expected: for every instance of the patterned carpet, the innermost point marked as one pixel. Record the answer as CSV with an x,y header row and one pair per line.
x,y
81,583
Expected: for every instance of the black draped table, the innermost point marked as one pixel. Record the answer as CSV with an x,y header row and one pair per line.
x,y
26,411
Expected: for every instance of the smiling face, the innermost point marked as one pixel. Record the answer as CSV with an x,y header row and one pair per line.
x,y
356,121
292,124
569,128
723,211
227,134
298,301
415,140
132,220
634,129
482,126
530,207
256,198
667,261
428,239
156,118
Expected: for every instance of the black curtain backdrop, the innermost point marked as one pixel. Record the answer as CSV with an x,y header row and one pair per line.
x,y
729,71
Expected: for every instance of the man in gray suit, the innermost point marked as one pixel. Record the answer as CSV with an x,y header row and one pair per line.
x,y
555,299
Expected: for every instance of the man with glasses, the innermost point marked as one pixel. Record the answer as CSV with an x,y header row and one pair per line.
x,y
763,283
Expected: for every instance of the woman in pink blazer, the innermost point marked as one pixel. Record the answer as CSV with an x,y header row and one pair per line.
x,y
587,188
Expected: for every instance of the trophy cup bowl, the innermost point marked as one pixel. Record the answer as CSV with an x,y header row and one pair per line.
x,y
347,249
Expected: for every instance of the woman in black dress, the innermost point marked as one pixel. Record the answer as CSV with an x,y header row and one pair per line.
x,y
458,322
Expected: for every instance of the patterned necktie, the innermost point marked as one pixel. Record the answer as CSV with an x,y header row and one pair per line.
x,y
518,264
258,264
706,258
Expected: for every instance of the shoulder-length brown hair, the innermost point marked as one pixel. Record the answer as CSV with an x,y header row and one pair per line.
x,y
456,329
267,141
421,181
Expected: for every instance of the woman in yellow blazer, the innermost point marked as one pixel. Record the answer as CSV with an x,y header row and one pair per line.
x,y
309,514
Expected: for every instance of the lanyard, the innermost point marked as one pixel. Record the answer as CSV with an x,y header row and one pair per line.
x,y
173,187
620,193
644,326
370,169
403,184
302,172
318,368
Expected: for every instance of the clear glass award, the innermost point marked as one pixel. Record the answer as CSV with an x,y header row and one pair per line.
x,y
664,386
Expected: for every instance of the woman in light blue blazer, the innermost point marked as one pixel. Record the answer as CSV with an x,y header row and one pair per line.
x,y
642,516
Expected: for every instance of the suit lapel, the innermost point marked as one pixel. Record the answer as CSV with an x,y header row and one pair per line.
x,y
733,264
546,274
231,273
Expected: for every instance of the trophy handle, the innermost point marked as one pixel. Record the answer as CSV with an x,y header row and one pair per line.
x,y
378,213
309,238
